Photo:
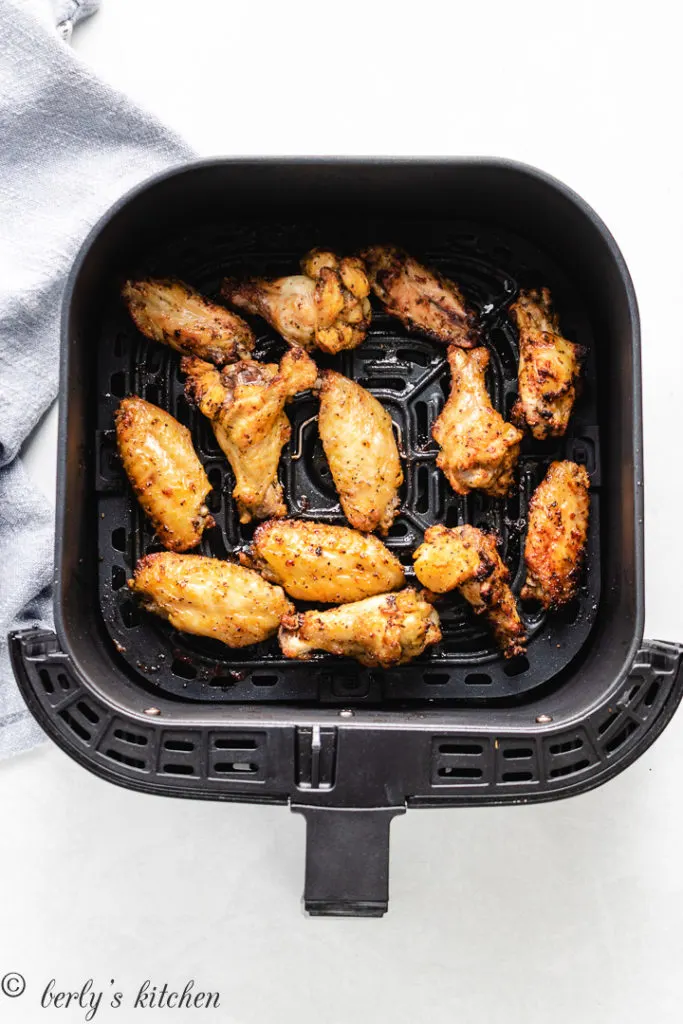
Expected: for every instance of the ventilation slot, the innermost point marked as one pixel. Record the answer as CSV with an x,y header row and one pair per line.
x,y
382,383
460,773
131,737
235,768
118,577
604,725
45,679
127,759
184,669
64,682
179,745
478,679
651,695
76,727
178,769
436,678
236,743
566,747
422,489
117,384
569,769
88,712
261,679
517,776
516,666
620,738
461,748
422,421
518,753
118,538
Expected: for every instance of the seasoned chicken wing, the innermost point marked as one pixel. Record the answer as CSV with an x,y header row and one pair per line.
x,y
479,450
466,559
557,533
358,438
386,630
549,367
177,315
208,597
420,297
165,473
245,403
326,306
315,562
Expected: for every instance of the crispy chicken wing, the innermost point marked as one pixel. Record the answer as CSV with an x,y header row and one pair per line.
x,y
549,367
557,533
386,630
326,306
245,403
177,315
420,297
165,473
209,597
479,450
467,560
358,439
330,564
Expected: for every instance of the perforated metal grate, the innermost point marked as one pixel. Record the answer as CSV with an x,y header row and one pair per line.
x,y
410,376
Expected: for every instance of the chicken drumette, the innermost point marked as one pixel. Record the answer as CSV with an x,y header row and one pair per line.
x,y
466,559
165,473
386,630
326,306
479,450
208,597
245,403
177,315
557,533
549,367
420,297
316,562
358,438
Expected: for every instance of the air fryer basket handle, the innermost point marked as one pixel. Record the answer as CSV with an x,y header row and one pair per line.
x,y
347,860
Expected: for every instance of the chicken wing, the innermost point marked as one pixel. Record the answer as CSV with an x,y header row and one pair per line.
x,y
315,562
549,367
358,438
386,630
165,473
208,597
479,450
467,560
557,533
245,403
326,306
420,297
177,315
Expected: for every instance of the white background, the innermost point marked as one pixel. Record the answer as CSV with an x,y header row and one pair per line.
x,y
556,912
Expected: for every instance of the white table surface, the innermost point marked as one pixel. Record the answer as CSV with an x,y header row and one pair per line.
x,y
559,912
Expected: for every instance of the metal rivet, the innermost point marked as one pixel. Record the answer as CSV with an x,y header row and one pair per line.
x,y
544,719
346,714
152,711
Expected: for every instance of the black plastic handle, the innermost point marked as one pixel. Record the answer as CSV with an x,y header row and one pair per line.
x,y
347,860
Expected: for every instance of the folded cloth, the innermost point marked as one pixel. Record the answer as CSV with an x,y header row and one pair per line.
x,y
71,146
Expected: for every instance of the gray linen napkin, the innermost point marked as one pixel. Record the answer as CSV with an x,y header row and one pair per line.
x,y
70,147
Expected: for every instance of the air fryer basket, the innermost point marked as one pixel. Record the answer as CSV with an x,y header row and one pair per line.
x,y
349,747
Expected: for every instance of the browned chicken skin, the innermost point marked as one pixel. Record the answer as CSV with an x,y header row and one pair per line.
x,y
358,438
420,297
549,367
479,450
557,533
208,597
386,630
165,473
175,314
466,559
316,562
326,306
245,403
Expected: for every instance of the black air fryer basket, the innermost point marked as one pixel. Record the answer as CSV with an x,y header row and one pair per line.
x,y
156,710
